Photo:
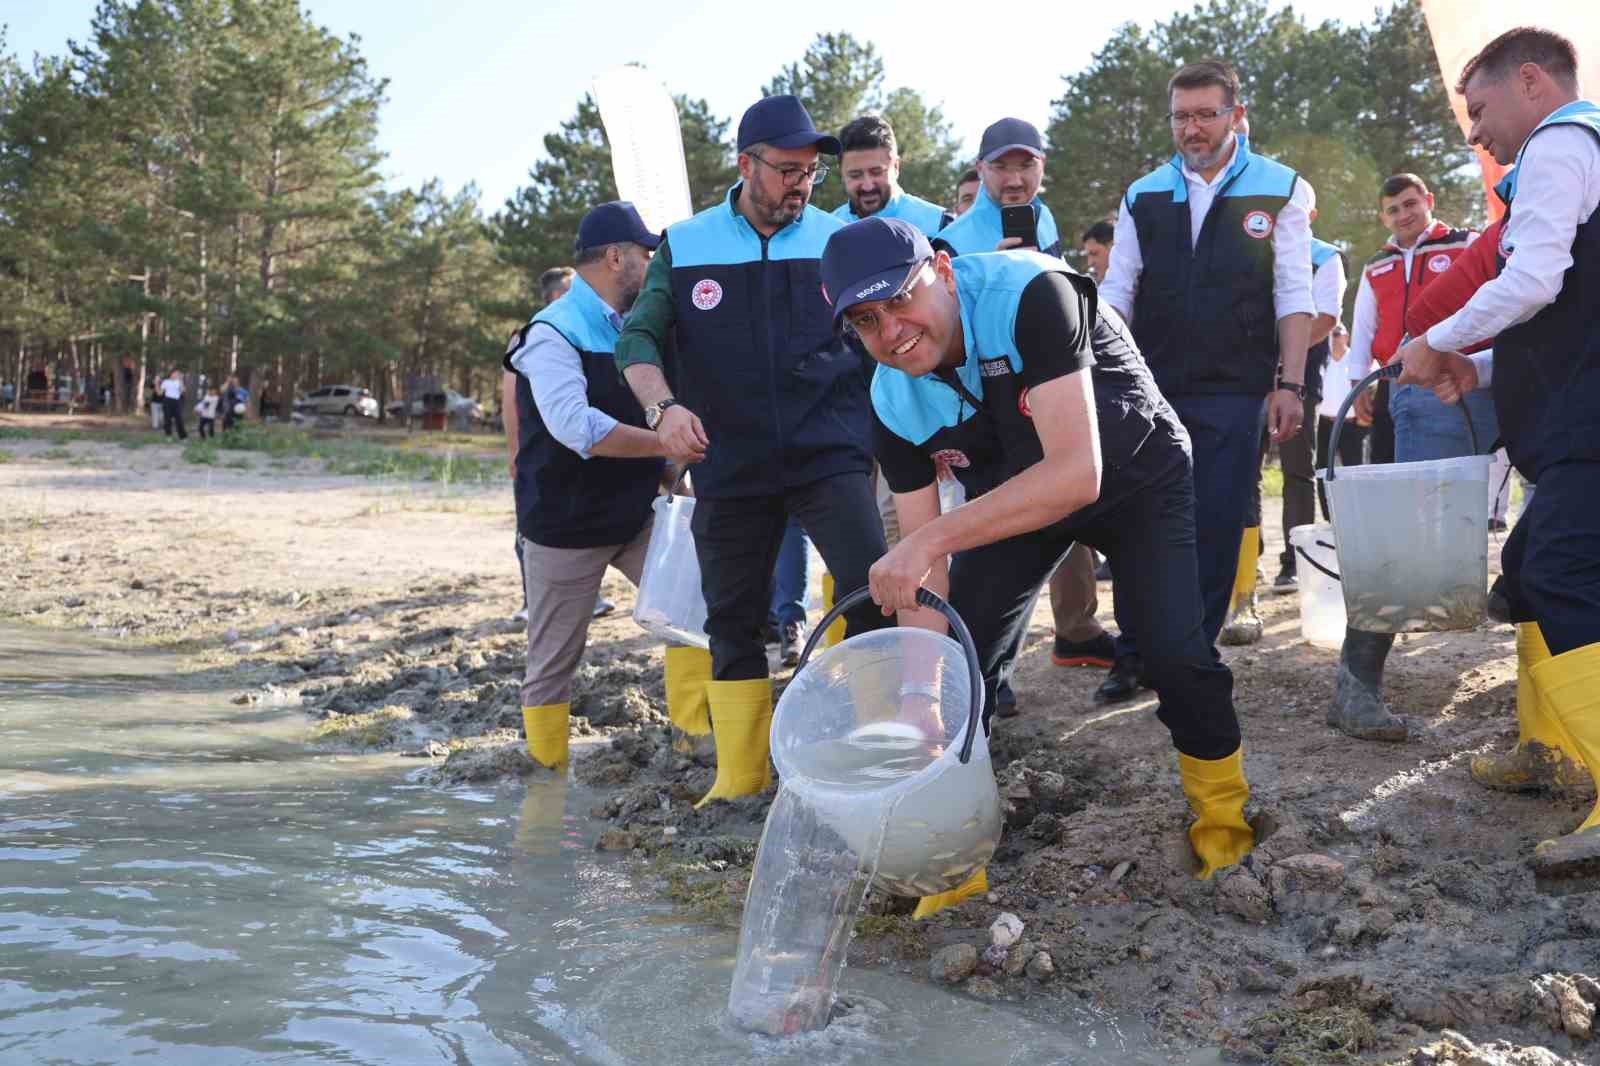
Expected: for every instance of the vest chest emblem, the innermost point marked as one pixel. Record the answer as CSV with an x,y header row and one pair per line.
x,y
706,294
1439,263
1258,224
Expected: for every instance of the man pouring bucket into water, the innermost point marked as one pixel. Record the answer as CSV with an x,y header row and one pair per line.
x,y
1004,366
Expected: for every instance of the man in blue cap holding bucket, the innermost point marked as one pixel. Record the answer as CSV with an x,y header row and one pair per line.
x,y
1004,366
767,402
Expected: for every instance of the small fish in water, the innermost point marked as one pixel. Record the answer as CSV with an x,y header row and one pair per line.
x,y
1390,611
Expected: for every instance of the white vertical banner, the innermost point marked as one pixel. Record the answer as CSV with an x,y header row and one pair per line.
x,y
641,123
1460,29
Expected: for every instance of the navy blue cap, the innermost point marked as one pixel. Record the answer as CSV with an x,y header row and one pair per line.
x,y
870,260
613,223
783,122
1009,134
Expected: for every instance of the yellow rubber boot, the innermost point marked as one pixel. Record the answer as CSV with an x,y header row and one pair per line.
x,y
1569,684
931,905
547,733
1217,793
687,671
1544,757
741,723
835,632
1243,625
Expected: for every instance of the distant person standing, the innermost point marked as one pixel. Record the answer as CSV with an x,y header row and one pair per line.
x,y
235,402
172,405
966,195
207,410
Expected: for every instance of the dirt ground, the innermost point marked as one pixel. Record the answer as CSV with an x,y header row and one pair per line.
x,y
1386,915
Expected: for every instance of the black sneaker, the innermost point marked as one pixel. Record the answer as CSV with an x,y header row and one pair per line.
x,y
1005,701
1098,651
1121,684
1287,581
790,643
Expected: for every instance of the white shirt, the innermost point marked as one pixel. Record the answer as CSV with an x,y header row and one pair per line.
x,y
1327,287
1335,387
207,408
1291,246
1558,188
554,370
1366,314
171,388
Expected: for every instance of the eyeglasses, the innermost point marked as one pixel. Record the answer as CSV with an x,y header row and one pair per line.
x,y
1204,117
791,175
868,323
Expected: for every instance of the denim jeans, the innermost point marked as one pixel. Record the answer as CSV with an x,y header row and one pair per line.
x,y
791,577
1427,428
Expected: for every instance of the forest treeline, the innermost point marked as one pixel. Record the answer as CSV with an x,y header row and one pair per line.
x,y
197,183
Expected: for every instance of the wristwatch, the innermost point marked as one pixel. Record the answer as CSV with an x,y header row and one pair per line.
x,y
1296,387
653,413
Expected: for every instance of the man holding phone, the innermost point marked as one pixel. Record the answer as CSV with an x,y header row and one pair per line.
x,y
1007,214
1211,265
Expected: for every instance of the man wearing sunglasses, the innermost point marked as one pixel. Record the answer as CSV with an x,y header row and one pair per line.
x,y
766,401
1003,366
1211,266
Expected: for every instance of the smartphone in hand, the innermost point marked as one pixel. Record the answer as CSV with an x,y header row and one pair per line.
x,y
1017,220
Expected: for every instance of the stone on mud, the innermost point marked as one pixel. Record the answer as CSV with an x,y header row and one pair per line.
x,y
1239,893
1041,967
1306,884
1006,930
953,964
616,840
491,757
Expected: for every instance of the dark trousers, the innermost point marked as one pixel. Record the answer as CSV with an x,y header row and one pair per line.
x,y
208,427
1299,489
172,415
1149,537
1552,558
1381,432
737,544
1225,436
1350,442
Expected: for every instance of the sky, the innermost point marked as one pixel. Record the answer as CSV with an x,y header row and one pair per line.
x,y
474,85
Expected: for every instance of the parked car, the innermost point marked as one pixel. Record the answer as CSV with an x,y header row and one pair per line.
x,y
338,400
456,405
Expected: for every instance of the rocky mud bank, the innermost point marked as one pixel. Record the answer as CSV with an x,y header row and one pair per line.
x,y
1387,914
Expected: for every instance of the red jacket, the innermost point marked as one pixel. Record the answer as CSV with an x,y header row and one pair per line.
x,y
1436,251
1478,264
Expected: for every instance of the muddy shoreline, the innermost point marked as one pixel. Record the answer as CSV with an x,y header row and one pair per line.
x,y
1387,914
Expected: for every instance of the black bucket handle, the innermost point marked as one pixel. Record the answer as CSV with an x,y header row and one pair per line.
x,y
964,636
1390,372
1316,565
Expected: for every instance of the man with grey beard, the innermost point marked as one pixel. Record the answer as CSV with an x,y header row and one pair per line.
x,y
1211,266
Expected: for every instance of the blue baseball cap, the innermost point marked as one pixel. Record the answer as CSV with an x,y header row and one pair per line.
x,y
783,122
613,223
870,260
1007,135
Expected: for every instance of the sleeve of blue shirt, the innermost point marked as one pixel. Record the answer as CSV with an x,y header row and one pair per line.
x,y
560,391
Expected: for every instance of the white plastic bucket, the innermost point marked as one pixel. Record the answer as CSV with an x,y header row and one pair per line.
x,y
845,711
1413,543
670,604
1321,595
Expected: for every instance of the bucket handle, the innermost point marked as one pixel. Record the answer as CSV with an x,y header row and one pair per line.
x,y
1307,557
926,599
1389,372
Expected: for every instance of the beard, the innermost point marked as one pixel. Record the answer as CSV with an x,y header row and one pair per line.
x,y
1203,158
781,211
880,200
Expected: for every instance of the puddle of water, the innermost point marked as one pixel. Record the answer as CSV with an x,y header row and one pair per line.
x,y
183,879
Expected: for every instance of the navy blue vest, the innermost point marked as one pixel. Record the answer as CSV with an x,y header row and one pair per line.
x,y
980,229
1547,369
1204,315
782,398
990,441
563,499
